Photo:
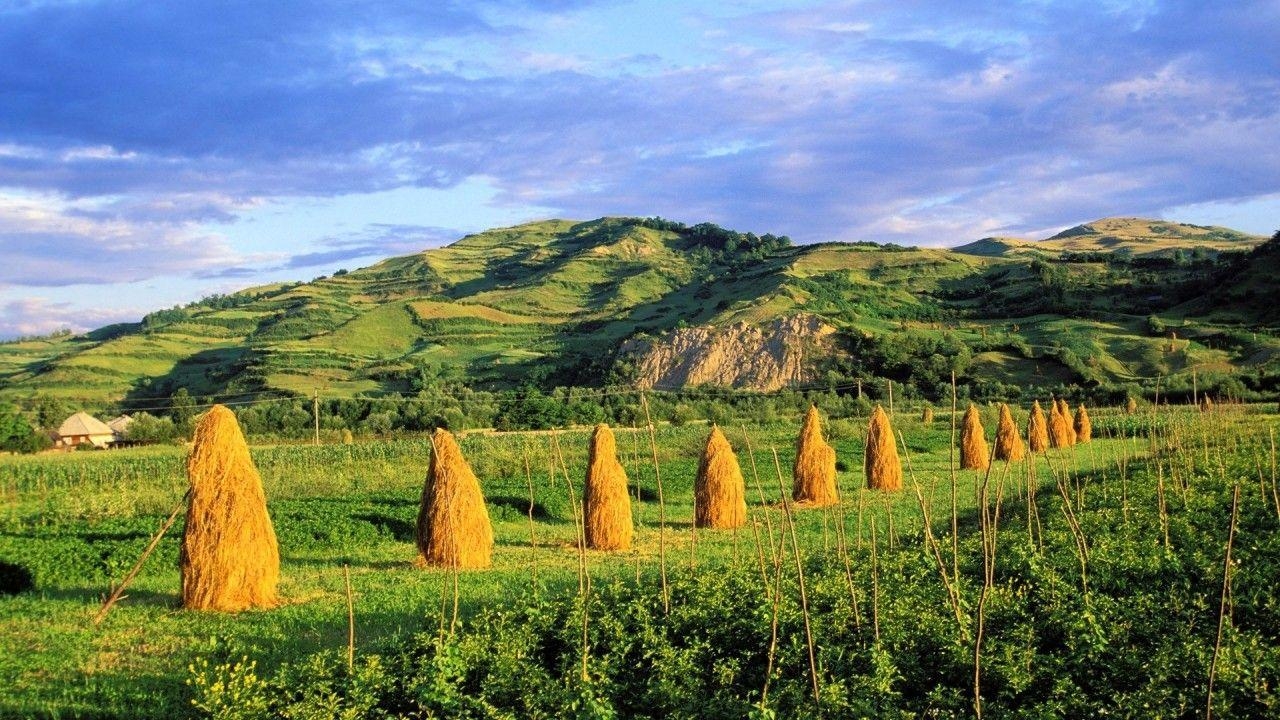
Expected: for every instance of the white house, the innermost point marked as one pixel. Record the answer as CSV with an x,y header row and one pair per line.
x,y
83,428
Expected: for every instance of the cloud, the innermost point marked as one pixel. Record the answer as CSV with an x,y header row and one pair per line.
x,y
29,317
837,120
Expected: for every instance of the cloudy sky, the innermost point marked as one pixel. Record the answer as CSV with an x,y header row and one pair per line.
x,y
154,151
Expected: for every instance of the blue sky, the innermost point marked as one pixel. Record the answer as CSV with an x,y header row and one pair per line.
x,y
152,153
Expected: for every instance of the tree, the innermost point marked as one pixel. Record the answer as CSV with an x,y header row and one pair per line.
x,y
50,411
16,434
182,410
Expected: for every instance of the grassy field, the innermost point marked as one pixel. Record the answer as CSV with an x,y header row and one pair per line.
x,y
79,521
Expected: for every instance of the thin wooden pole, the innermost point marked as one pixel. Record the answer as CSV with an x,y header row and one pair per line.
x,y
155,540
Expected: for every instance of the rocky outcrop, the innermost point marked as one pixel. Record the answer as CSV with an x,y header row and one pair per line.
x,y
766,357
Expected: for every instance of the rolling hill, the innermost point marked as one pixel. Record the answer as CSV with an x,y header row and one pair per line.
x,y
562,302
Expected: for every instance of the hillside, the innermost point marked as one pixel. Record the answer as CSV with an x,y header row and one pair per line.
x,y
583,303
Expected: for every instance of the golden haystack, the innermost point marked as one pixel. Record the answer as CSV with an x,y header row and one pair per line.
x,y
1008,441
606,507
453,523
229,559
1037,430
1206,404
1065,409
926,417
814,472
974,454
883,469
1059,426
1131,405
1083,427
720,496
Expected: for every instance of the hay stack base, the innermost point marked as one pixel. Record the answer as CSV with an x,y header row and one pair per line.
x,y
974,453
606,505
881,464
453,523
229,559
814,472
720,495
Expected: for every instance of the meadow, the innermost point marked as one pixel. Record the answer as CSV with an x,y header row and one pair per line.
x,y
1090,580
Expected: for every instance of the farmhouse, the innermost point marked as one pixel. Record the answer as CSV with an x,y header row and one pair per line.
x,y
83,428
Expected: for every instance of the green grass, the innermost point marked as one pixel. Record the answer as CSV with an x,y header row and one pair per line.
x,y
79,521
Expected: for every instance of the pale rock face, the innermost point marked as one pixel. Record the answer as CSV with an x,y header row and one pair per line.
x,y
768,357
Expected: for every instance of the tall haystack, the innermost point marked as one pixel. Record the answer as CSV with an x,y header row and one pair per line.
x,y
1037,430
814,472
974,454
229,559
1008,441
1065,409
1206,404
1059,426
720,495
926,417
605,503
1131,405
881,464
453,523
1083,426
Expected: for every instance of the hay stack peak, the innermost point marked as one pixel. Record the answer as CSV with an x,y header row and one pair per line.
x,y
453,523
881,464
720,495
814,472
974,454
1083,426
1008,442
229,559
606,507
1037,430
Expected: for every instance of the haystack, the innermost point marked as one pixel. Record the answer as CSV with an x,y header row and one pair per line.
x,y
720,496
1008,441
1059,426
926,417
229,559
1065,409
1206,404
814,472
881,464
1131,405
1037,430
605,503
453,523
1082,426
974,454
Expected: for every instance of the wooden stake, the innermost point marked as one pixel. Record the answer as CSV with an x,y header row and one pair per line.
x,y
118,593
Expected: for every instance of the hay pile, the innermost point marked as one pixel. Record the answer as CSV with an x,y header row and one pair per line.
x,y
814,472
1008,442
1131,405
1206,404
1059,426
229,559
881,464
1065,409
606,507
974,454
1037,430
1083,426
926,417
453,524
720,496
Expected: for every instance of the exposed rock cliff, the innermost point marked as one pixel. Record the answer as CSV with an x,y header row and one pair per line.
x,y
767,357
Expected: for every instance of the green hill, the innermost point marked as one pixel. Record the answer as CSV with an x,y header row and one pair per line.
x,y
552,302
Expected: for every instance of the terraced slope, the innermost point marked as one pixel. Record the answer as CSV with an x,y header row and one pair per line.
x,y
552,302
